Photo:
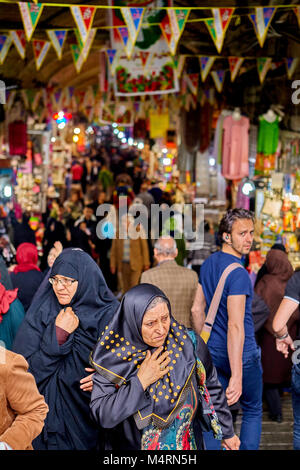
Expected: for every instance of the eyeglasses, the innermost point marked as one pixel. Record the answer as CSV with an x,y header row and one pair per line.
x,y
64,282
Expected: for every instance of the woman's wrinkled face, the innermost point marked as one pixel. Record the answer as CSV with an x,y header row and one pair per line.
x,y
64,289
156,325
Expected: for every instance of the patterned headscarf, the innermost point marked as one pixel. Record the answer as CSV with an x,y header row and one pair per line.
x,y
121,350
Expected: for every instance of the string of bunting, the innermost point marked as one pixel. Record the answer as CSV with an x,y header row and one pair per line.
x,y
172,25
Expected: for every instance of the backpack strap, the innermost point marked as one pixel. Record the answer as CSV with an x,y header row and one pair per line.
x,y
215,302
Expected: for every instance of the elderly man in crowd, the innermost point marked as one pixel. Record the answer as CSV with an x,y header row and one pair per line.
x,y
178,283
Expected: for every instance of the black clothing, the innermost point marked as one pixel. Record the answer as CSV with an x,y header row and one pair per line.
x,y
27,283
58,369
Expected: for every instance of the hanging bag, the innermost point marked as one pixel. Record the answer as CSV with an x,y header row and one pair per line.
x,y
214,305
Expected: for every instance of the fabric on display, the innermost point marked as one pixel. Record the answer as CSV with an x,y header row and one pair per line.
x,y
235,163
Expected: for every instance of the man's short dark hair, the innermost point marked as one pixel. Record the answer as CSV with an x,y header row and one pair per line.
x,y
230,217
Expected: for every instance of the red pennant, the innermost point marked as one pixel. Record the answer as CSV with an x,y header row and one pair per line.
x,y
87,15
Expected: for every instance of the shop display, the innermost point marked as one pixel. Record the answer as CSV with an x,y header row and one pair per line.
x,y
235,146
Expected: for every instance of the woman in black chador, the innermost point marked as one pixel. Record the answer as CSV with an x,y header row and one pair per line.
x,y
60,329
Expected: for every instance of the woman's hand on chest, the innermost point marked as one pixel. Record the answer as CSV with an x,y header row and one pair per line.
x,y
67,320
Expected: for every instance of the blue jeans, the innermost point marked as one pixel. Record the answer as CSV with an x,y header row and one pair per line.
x,y
296,404
250,400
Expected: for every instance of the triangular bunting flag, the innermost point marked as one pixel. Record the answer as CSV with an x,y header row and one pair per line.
x,y
40,49
133,18
5,42
144,56
261,20
30,16
263,65
178,18
80,55
218,77
128,44
192,80
75,49
10,98
25,98
291,64
234,65
179,62
166,29
19,40
297,13
206,64
146,59
217,26
36,99
57,39
83,17
111,57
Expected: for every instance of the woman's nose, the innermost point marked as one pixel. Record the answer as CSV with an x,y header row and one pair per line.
x,y
160,328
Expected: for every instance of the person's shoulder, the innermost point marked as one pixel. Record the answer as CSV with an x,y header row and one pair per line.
x,y
11,360
296,276
188,272
214,258
151,272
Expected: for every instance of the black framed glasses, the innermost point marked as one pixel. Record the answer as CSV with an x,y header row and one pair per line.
x,y
64,282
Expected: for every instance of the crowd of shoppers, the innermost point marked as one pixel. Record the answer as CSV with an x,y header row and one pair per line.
x,y
180,349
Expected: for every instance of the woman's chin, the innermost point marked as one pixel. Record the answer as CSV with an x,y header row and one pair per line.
x,y
63,300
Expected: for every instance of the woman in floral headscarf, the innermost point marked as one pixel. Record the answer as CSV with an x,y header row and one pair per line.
x,y
155,381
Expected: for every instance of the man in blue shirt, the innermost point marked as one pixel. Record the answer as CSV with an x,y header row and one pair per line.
x,y
232,341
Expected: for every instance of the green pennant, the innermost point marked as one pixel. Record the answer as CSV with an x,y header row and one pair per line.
x,y
75,49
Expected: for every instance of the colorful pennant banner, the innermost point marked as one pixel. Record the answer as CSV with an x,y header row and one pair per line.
x,y
261,20
5,43
133,18
218,77
234,66
30,16
127,42
83,17
178,18
297,13
57,39
80,55
75,50
206,64
217,26
291,64
166,29
19,40
263,66
112,58
40,50
192,80
10,98
179,62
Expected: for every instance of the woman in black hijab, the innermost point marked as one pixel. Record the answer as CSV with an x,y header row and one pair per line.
x,y
60,329
155,379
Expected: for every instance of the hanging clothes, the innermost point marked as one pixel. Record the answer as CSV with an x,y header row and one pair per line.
x,y
268,136
218,138
235,164
267,143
